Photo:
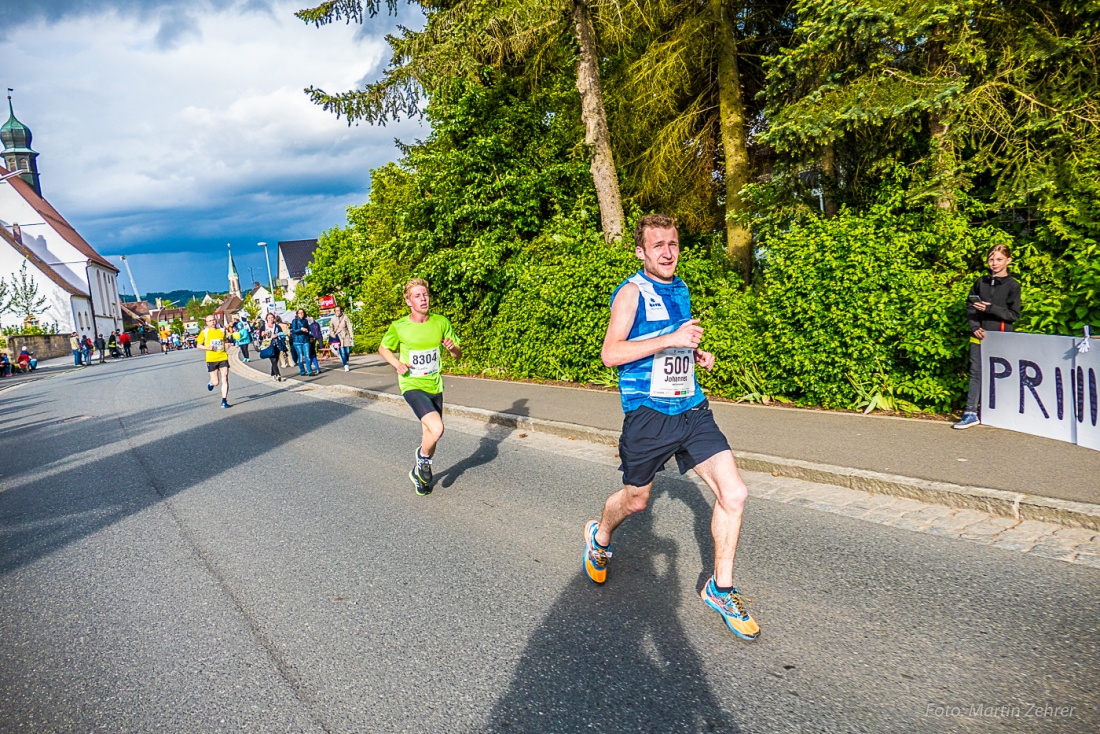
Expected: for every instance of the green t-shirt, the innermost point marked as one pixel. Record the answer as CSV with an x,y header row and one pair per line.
x,y
418,345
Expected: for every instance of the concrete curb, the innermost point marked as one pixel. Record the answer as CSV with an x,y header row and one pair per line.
x,y
992,501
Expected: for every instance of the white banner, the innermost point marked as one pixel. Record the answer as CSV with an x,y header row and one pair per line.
x,y
1086,396
1040,384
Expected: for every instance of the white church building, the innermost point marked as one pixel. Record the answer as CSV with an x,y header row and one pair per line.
x,y
79,284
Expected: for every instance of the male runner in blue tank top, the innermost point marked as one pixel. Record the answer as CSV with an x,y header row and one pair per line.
x,y
654,342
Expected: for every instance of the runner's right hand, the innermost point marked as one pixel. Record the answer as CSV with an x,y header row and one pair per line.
x,y
402,368
687,336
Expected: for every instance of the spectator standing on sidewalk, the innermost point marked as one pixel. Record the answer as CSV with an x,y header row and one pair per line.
x,y
101,347
5,365
143,344
270,336
112,344
86,348
993,305
74,344
340,327
124,340
299,338
316,341
244,338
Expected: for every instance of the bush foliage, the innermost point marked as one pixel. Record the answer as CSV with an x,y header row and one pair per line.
x,y
864,308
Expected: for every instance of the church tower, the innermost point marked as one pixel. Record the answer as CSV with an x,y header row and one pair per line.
x,y
234,279
17,153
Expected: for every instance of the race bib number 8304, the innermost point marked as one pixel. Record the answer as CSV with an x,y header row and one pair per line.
x,y
423,362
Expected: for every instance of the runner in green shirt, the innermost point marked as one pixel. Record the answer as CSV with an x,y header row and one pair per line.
x,y
416,339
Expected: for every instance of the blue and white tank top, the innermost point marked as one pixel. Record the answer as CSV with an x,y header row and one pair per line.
x,y
672,389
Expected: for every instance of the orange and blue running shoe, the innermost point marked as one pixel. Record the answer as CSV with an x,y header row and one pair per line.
x,y
732,609
595,557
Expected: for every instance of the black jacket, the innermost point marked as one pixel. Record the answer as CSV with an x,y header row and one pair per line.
x,y
1003,295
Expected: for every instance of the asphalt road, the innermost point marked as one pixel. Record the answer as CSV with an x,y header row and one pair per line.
x,y
169,566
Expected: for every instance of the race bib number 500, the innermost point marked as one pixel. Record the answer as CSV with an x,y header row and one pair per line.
x,y
673,374
423,362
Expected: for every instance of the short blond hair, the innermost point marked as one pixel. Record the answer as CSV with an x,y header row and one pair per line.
x,y
414,282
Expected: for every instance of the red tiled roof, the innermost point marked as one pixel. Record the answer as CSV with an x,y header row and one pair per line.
x,y
231,304
58,222
139,307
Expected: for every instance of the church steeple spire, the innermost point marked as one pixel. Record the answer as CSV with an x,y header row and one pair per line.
x,y
234,279
17,152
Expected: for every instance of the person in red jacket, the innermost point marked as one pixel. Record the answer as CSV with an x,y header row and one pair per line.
x,y
124,340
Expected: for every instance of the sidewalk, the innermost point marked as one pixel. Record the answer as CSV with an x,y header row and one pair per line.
x,y
46,368
838,448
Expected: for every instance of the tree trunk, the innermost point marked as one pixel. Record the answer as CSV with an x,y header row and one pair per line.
x,y
943,166
734,128
943,151
596,133
829,180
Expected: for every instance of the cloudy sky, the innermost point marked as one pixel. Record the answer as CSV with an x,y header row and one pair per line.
x,y
168,128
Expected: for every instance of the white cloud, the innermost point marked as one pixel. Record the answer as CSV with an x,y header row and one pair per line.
x,y
173,125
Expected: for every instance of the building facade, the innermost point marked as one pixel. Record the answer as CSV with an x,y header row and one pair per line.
x,y
80,285
294,259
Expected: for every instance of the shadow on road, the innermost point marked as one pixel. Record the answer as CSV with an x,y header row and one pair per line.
x,y
487,450
60,503
615,658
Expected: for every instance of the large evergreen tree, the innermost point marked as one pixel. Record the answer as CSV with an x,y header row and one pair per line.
x,y
463,37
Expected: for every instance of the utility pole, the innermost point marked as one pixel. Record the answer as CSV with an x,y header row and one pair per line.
x,y
267,259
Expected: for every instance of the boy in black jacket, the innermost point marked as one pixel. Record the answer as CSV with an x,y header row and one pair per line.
x,y
993,305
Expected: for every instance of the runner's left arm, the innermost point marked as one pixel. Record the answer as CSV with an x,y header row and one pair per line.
x,y
704,359
450,341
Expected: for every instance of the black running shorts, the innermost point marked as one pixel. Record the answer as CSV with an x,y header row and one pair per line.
x,y
215,366
650,438
423,402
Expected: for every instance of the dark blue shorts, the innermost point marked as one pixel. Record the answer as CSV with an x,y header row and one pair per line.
x,y
423,402
650,438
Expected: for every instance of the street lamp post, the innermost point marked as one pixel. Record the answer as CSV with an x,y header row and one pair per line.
x,y
270,280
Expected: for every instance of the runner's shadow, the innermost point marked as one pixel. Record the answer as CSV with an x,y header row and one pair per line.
x,y
615,658
695,497
488,448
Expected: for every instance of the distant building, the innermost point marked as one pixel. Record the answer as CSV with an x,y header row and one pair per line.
x,y
234,279
262,297
294,259
165,316
80,285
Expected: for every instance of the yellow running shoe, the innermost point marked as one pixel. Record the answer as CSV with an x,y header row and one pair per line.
x,y
732,609
595,557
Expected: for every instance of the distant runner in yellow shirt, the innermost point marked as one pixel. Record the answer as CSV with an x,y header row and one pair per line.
x,y
416,339
212,341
